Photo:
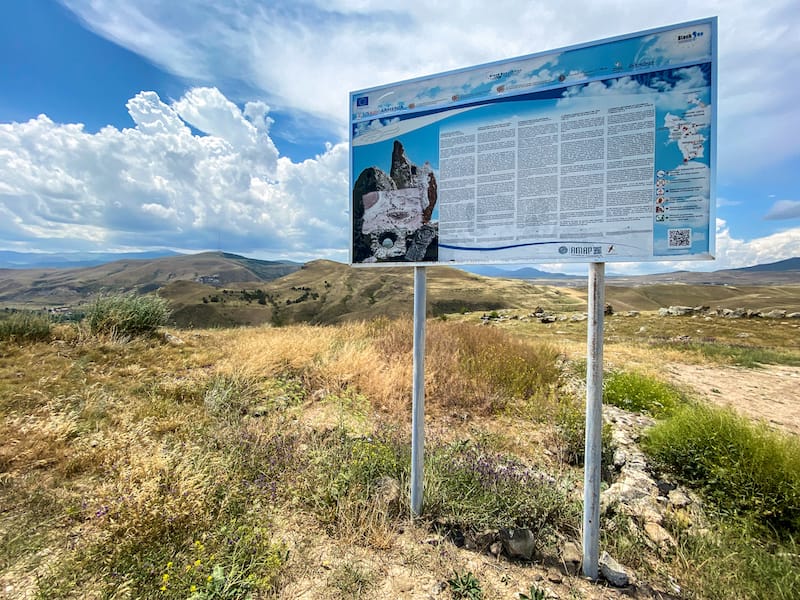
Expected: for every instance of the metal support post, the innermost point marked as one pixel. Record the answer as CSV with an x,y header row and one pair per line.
x,y
418,394
594,421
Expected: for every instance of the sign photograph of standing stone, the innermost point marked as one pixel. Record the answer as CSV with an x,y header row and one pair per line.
x,y
394,212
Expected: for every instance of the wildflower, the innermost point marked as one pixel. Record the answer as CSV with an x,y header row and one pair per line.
x,y
197,562
193,588
209,578
163,588
169,565
165,577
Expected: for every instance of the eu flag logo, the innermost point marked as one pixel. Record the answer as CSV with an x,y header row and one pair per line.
x,y
363,101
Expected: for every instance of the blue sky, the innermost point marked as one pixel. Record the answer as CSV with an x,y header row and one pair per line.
x,y
202,124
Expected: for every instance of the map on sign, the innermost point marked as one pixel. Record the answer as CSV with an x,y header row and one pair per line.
x,y
598,152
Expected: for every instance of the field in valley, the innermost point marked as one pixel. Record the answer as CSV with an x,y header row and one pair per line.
x,y
273,462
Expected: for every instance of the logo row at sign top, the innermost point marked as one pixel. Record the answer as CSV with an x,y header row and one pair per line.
x,y
631,54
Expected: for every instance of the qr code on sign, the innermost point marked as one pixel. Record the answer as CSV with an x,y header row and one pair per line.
x,y
679,238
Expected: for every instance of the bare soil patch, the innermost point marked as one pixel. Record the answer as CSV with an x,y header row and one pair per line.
x,y
770,394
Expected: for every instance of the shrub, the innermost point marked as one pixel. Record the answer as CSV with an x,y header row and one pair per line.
x,y
471,488
127,315
570,434
25,327
744,469
349,481
359,487
639,393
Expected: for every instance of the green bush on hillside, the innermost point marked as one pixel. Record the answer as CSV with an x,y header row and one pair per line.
x,y
127,315
25,327
744,469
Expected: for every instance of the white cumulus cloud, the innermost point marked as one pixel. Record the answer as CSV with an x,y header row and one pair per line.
x,y
159,184
731,253
306,55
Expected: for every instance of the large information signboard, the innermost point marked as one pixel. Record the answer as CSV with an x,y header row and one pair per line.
x,y
593,153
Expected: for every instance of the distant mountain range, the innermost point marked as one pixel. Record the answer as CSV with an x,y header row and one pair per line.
x,y
787,270
77,260
522,273
65,260
790,264
776,273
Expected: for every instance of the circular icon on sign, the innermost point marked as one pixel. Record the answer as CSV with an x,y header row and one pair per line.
x,y
563,249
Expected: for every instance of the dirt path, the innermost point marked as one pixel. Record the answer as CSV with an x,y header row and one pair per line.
x,y
771,394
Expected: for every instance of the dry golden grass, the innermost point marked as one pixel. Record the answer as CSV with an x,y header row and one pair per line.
x,y
134,448
117,457
466,368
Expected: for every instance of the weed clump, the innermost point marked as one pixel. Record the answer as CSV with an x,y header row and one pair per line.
x,y
636,392
486,366
465,586
127,315
570,434
21,327
745,470
353,484
471,488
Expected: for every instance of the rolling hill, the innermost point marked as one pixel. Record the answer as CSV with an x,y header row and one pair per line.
x,y
70,286
222,290
329,292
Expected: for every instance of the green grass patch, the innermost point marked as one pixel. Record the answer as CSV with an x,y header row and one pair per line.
x,y
353,484
465,586
743,469
126,315
738,563
470,487
358,486
636,392
732,354
25,327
